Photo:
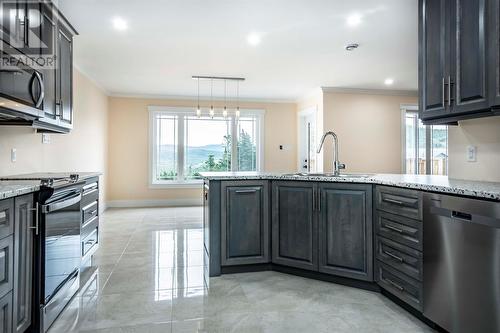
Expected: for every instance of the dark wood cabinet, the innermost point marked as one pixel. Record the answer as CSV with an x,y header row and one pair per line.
x,y
494,52
6,313
6,218
6,265
345,230
64,76
245,222
468,73
434,34
454,39
294,224
23,263
49,37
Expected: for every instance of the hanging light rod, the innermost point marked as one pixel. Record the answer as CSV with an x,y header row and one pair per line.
x,y
200,77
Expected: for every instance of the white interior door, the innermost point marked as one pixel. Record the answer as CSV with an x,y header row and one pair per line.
x,y
307,159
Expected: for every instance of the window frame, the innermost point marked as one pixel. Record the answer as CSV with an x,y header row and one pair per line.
x,y
412,108
181,113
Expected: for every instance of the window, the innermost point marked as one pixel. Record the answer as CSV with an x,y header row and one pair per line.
x,y
425,148
183,145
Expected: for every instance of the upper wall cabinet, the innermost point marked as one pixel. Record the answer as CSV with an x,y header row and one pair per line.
x,y
43,96
494,53
454,61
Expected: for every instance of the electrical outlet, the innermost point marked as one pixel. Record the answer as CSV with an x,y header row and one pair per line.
x,y
13,155
45,138
471,153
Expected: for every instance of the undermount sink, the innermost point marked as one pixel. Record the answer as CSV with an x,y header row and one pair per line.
x,y
329,174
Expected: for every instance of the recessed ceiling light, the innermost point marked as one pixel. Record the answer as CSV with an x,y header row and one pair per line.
x,y
253,39
351,46
388,81
120,24
354,20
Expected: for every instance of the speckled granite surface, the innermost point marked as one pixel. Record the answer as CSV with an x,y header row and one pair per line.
x,y
442,184
14,188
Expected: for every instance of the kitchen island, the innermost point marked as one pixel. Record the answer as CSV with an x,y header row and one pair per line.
x,y
362,230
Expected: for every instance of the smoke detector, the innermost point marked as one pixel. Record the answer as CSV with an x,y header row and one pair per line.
x,y
351,46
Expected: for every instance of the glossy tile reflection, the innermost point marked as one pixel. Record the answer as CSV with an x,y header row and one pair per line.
x,y
148,277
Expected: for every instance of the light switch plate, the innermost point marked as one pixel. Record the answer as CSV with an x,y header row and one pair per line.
x,y
471,153
13,155
45,138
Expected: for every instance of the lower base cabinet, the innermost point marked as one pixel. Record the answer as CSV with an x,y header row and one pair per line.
x,y
244,223
345,230
6,313
325,227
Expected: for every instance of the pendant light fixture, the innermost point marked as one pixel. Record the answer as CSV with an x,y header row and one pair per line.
x,y
198,110
212,111
225,111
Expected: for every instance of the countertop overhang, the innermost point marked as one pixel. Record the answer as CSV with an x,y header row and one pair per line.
x,y
430,183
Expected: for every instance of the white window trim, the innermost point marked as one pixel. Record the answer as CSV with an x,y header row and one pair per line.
x,y
404,109
169,110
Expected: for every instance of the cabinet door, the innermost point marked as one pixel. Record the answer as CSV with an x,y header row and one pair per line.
x,y
294,227
345,230
245,223
433,57
23,263
13,15
469,91
6,313
6,217
494,51
6,265
64,79
48,28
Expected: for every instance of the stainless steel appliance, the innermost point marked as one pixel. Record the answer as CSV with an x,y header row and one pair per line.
x,y
57,247
22,89
462,263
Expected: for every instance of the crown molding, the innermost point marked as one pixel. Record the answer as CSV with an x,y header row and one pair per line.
x,y
387,92
202,99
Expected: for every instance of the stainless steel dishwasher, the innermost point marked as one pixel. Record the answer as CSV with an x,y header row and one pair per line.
x,y
461,284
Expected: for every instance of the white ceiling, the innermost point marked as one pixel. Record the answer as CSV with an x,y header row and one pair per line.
x,y
302,45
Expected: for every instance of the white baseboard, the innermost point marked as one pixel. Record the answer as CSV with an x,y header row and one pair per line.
x,y
154,203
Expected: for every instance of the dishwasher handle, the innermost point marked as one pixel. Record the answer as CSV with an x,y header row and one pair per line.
x,y
460,216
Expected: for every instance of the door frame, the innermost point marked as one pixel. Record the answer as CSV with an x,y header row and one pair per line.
x,y
300,116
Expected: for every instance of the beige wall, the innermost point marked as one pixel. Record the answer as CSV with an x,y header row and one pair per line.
x,y
84,149
485,135
128,147
369,130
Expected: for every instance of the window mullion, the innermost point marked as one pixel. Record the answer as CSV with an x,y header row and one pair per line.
x,y
180,147
234,144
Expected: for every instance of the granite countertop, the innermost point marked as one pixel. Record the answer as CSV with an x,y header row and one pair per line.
x,y
441,184
14,188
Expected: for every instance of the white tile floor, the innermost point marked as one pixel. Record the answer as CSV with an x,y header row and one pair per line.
x,y
148,278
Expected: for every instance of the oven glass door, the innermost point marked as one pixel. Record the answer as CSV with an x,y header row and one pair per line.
x,y
62,243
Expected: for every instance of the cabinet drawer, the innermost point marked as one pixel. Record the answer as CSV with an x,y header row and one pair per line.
x,y
90,193
400,257
90,241
6,217
6,310
401,286
6,265
399,201
89,212
400,229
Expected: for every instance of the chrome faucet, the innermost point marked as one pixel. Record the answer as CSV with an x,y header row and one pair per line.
x,y
337,166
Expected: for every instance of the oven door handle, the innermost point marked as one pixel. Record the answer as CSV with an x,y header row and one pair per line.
x,y
68,201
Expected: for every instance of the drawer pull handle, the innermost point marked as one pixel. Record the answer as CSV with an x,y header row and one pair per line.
x,y
396,202
246,191
93,212
393,256
398,230
90,242
395,285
